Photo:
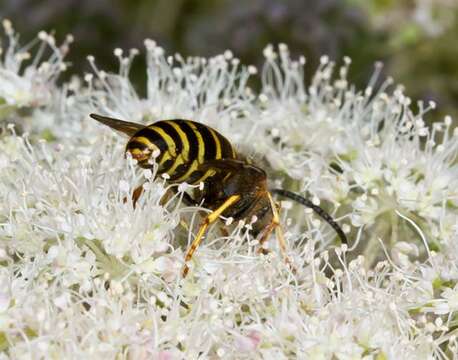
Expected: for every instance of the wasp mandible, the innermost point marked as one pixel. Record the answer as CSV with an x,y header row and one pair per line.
x,y
191,152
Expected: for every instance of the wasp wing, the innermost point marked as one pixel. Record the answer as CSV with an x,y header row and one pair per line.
x,y
126,127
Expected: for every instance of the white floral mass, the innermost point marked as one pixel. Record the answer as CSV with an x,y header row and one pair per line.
x,y
84,274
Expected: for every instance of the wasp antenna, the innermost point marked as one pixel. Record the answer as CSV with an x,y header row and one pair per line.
x,y
126,127
307,203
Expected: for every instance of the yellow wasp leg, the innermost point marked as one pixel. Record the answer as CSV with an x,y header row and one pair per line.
x,y
275,224
209,219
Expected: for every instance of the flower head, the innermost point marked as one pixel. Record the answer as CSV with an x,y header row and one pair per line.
x,y
85,273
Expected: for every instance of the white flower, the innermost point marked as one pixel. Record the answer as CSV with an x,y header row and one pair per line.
x,y
451,297
32,84
85,274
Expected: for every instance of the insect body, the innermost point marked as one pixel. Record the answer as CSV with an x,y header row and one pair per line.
x,y
184,147
191,152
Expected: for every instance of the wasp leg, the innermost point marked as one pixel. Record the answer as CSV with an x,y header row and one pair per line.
x,y
275,224
264,238
187,199
224,232
209,219
135,195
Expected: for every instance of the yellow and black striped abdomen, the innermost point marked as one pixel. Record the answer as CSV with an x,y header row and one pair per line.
x,y
183,146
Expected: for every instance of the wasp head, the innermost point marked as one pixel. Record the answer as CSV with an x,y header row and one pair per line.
x,y
139,146
140,152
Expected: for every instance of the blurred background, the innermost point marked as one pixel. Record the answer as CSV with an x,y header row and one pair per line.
x,y
416,39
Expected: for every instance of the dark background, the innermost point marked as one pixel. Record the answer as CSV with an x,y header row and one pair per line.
x,y
416,39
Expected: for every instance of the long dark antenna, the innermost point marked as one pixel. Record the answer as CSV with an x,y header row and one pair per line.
x,y
307,203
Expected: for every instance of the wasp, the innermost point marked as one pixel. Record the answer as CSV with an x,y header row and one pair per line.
x,y
191,152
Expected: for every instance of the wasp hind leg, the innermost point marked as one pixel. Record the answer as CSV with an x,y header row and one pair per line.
x,y
209,219
281,242
275,224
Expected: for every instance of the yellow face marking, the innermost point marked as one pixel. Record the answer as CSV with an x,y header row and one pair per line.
x,y
167,138
136,152
217,144
184,140
200,140
140,155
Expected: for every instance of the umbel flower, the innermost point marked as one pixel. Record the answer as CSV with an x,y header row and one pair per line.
x,y
32,85
85,274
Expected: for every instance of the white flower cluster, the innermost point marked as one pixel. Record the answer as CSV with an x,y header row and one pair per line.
x,y
28,81
84,274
